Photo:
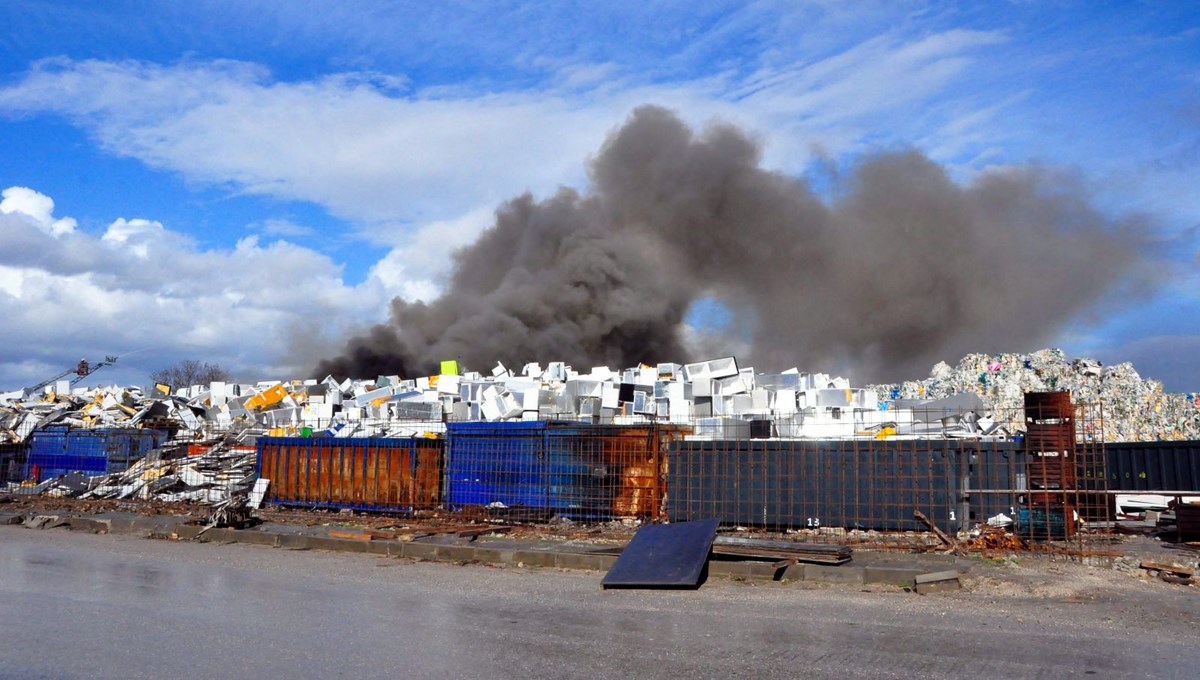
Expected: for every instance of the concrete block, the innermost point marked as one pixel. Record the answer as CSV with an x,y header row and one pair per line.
x,y
729,569
793,572
337,544
219,536
937,581
456,553
378,547
293,542
96,526
184,532
494,555
829,573
535,558
938,586
896,576
936,576
256,537
421,551
584,561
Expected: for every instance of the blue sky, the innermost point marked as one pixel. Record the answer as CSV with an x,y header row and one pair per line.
x,y
246,182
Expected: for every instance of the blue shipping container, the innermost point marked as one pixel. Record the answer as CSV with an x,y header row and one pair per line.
x,y
571,469
59,449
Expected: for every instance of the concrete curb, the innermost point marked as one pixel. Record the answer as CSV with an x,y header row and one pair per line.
x,y
174,528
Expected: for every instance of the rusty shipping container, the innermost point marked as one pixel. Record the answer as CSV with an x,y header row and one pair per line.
x,y
382,475
542,468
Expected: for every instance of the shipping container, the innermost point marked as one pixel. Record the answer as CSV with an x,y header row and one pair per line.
x,y
371,474
12,462
864,484
570,469
59,449
1153,466
993,474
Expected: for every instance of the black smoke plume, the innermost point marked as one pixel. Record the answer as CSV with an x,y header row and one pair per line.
x,y
900,268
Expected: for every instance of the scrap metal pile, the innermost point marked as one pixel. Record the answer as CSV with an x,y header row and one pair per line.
x,y
221,474
979,398
1135,409
718,398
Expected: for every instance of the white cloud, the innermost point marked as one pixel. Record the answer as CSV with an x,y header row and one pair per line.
x,y
283,227
141,285
37,206
136,234
389,160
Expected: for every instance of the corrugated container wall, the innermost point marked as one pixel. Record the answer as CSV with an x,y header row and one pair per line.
x,y
1153,466
541,468
397,475
12,462
58,450
813,484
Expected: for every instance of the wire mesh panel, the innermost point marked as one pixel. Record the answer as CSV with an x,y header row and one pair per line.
x,y
809,485
59,450
12,462
569,469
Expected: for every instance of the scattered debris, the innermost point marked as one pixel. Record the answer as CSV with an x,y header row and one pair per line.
x,y
950,543
996,539
1177,570
719,398
230,512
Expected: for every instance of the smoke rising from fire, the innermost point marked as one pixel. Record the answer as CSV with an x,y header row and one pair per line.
x,y
900,268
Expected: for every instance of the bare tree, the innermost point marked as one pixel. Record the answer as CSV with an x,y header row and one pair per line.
x,y
190,372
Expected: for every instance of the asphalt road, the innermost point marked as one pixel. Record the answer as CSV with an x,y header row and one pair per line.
x,y
78,605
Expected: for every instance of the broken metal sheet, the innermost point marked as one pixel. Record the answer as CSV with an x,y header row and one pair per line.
x,y
258,493
664,556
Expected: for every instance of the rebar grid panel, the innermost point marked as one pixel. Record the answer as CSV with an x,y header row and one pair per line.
x,y
12,462
841,491
863,490
1067,506
540,469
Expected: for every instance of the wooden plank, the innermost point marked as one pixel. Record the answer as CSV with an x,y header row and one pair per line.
x,y
479,531
365,535
1170,568
774,555
950,543
790,546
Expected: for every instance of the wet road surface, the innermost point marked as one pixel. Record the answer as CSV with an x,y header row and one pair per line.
x,y
76,605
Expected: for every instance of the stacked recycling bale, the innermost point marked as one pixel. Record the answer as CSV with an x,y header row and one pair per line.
x,y
1134,409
